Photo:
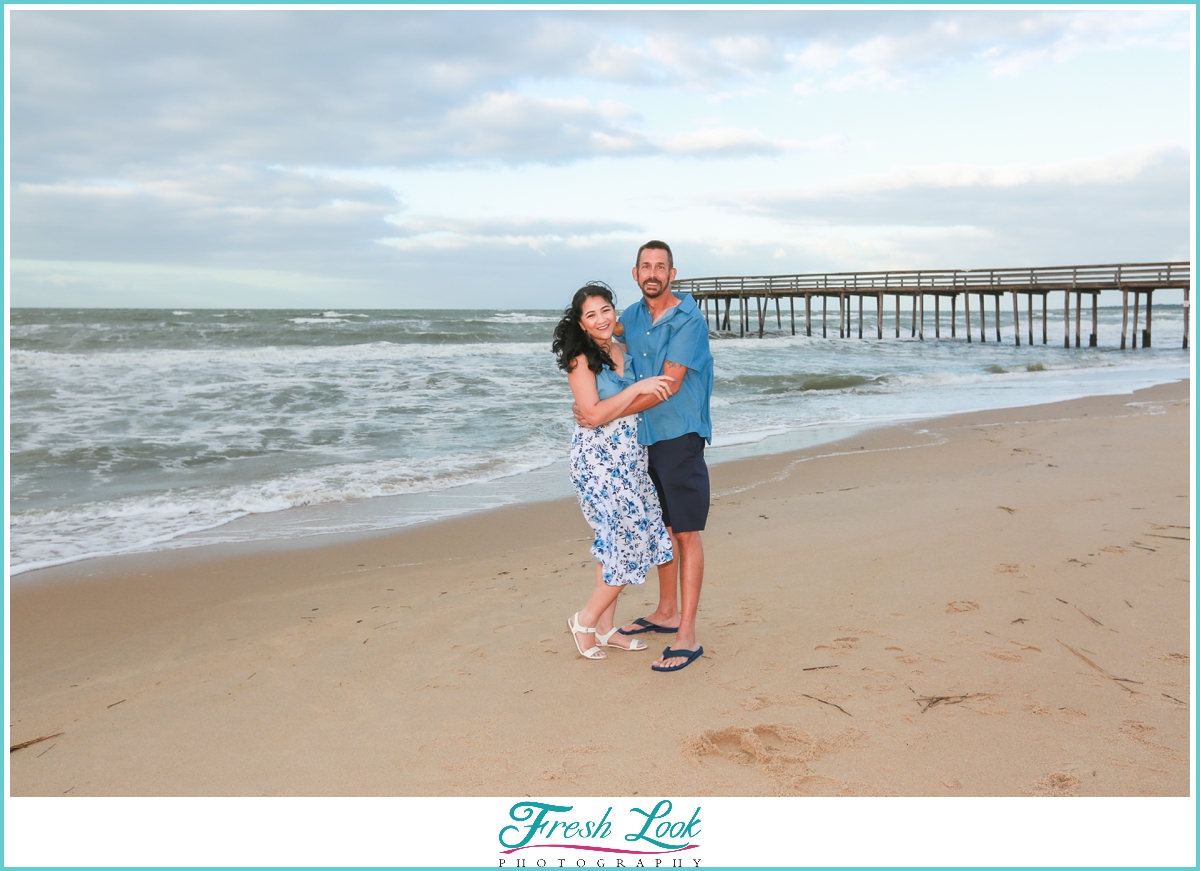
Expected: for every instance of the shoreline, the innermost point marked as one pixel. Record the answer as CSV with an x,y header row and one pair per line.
x,y
450,632
507,491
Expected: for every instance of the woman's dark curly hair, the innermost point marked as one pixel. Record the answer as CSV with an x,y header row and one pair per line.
x,y
570,339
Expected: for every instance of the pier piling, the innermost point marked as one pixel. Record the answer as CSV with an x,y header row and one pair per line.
x,y
1067,318
1079,313
1149,311
1124,314
1133,334
1187,319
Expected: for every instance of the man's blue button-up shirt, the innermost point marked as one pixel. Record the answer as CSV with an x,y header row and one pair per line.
x,y
680,336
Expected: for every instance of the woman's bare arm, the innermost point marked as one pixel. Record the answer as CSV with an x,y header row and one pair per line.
x,y
647,400
596,411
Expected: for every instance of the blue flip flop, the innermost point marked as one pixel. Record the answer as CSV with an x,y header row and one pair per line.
x,y
647,626
692,656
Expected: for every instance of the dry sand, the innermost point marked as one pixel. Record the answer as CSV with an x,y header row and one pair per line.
x,y
990,604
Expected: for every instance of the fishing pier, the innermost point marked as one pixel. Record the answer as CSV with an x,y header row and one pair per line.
x,y
1133,280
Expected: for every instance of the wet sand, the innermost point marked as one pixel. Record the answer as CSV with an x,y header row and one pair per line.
x,y
992,604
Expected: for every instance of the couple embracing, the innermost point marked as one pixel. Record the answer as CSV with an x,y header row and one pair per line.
x,y
637,457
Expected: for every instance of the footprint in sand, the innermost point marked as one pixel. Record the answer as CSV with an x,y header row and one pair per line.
x,y
743,746
771,743
1005,655
780,752
1142,732
1060,783
845,642
961,607
751,610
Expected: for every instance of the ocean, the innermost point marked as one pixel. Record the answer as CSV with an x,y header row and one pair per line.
x,y
135,430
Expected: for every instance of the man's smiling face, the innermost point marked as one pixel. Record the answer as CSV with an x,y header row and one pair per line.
x,y
653,272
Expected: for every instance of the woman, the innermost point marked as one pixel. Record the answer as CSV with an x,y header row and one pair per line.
x,y
608,466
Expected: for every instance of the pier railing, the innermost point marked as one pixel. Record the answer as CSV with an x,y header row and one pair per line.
x,y
1138,279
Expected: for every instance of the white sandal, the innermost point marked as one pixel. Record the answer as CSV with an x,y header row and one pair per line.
x,y
574,628
602,639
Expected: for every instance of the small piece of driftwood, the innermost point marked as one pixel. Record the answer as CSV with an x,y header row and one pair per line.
x,y
817,667
831,704
930,701
1119,681
14,748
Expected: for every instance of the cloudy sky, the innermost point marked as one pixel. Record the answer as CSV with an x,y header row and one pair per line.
x,y
500,158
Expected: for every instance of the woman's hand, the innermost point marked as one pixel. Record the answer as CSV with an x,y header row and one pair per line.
x,y
658,385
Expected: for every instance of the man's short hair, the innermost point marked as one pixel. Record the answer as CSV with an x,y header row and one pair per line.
x,y
658,246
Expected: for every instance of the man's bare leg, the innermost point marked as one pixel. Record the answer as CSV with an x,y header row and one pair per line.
x,y
667,612
690,554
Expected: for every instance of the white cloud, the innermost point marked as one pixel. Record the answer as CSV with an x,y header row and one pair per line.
x,y
1075,34
516,127
817,56
1122,207
722,139
1116,168
442,233
232,215
737,141
1010,43
747,51
617,62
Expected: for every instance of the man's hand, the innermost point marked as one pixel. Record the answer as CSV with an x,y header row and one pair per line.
x,y
578,419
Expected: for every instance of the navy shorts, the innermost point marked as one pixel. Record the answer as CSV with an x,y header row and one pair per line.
x,y
680,476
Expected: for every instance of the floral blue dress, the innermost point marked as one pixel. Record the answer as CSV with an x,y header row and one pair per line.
x,y
608,469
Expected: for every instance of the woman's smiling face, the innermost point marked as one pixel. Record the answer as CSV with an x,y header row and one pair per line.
x,y
597,318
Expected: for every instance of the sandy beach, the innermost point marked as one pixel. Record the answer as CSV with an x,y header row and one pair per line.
x,y
992,604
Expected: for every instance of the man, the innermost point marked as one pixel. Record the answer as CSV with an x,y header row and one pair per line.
x,y
667,335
